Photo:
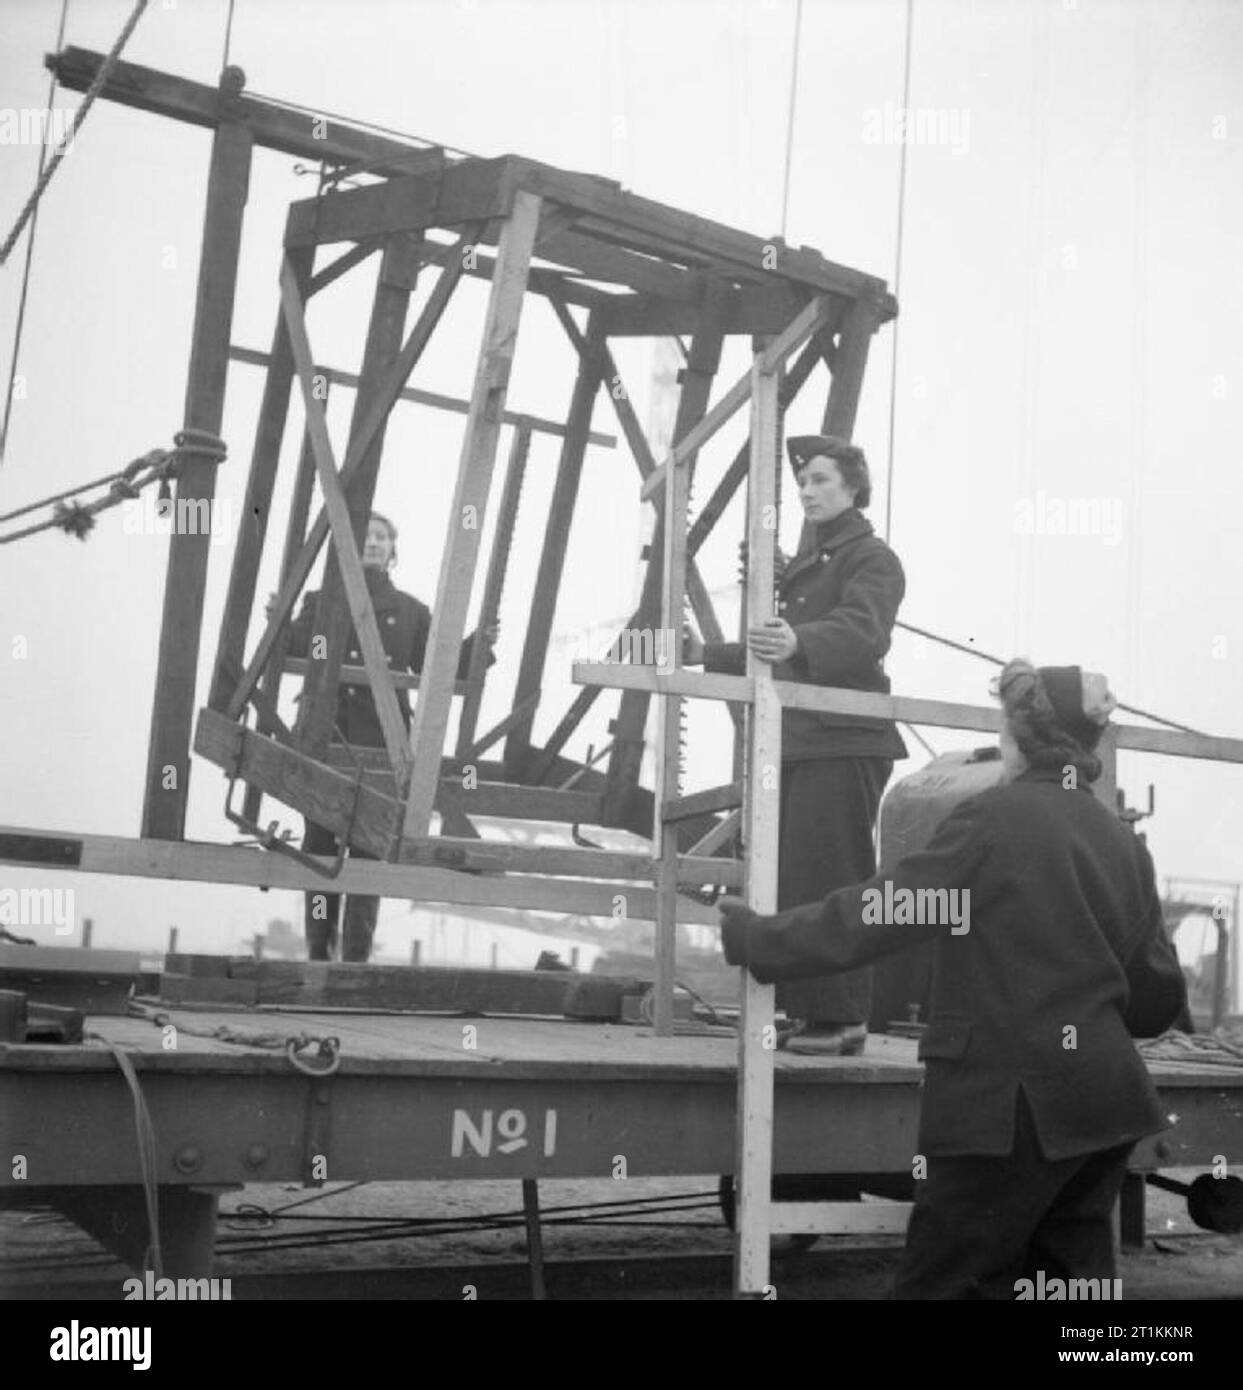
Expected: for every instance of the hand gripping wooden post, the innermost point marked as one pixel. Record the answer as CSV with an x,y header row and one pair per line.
x,y
761,805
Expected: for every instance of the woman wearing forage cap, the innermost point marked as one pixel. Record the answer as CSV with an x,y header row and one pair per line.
x,y
1034,1093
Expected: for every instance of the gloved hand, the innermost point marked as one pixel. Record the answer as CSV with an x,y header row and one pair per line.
x,y
736,921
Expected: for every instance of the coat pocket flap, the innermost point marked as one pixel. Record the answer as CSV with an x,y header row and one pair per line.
x,y
945,1038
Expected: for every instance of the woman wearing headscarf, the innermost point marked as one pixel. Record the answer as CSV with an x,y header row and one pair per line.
x,y
404,623
1050,956
837,602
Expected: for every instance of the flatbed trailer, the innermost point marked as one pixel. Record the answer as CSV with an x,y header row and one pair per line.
x,y
433,1098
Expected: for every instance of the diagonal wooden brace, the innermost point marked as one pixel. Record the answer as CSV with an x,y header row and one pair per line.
x,y
362,611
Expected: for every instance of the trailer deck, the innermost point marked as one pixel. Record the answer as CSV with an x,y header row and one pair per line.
x,y
443,1097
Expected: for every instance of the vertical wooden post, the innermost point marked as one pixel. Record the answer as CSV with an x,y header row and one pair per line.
x,y
489,608
1106,785
168,752
849,364
295,534
626,759
399,268
172,940
761,798
556,539
253,523
470,501
668,731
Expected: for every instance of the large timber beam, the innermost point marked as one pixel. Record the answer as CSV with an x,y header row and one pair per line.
x,y
275,127
469,507
168,753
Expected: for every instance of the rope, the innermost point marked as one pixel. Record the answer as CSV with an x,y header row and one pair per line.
x,y
998,661
1220,1050
785,187
328,1050
156,466
228,36
897,273
153,1259
30,246
45,176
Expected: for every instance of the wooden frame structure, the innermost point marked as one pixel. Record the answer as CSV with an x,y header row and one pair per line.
x,y
636,268
581,243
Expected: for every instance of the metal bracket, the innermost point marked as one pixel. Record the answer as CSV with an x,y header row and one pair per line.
x,y
270,837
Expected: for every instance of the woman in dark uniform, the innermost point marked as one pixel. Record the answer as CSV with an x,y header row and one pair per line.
x,y
1034,1093
837,603
404,624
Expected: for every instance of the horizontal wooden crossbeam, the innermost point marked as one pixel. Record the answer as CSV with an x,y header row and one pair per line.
x,y
834,700
724,798
456,404
203,862
274,126
357,675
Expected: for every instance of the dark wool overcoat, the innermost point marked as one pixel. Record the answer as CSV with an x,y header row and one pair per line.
x,y
404,624
1065,959
841,598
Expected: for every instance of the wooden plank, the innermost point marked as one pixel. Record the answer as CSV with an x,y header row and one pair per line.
x,y
791,338
317,712
260,485
361,610
725,830
494,583
626,758
849,365
271,125
343,264
295,534
748,310
357,675
475,190
427,989
711,512
756,1051
200,862
624,211
557,527
556,861
469,507
600,261
185,585
322,794
697,590
454,404
724,798
386,396
933,713
720,414
839,1218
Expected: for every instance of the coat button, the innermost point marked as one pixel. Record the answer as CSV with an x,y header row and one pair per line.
x,y
781,607
391,620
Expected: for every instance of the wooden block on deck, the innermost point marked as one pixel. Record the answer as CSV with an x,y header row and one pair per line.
x,y
598,998
205,989
180,963
427,989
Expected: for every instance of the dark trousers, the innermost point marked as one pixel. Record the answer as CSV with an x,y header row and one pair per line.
x,y
324,909
828,816
981,1224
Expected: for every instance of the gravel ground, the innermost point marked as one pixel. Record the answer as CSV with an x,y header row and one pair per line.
x,y
1179,1262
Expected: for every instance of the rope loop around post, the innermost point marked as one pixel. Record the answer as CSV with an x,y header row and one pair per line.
x,y
201,445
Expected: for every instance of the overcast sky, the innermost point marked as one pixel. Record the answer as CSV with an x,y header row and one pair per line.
x,y
1070,301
